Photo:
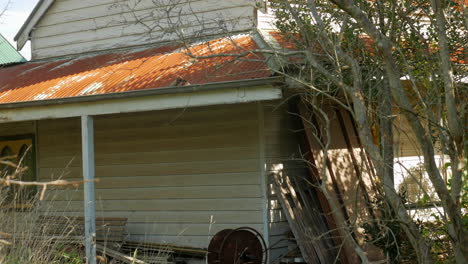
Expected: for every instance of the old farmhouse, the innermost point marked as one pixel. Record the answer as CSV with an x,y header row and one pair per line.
x,y
181,144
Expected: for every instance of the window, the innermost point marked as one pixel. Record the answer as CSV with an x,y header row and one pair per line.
x,y
6,152
414,186
18,150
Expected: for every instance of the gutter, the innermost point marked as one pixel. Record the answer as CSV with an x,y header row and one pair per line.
x,y
147,92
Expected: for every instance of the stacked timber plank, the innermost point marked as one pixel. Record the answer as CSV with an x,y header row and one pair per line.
x,y
68,228
161,248
160,258
307,223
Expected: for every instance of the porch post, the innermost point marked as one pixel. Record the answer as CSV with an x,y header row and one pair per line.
x,y
87,143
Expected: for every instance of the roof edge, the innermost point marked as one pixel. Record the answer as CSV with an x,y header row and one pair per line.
x,y
20,57
39,10
147,92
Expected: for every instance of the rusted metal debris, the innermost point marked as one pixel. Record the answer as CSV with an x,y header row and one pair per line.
x,y
237,246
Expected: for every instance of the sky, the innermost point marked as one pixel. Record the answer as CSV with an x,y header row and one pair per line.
x,y
13,19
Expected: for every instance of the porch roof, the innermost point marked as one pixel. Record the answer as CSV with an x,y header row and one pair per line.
x,y
133,70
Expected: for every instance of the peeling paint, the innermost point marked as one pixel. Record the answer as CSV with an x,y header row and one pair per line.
x,y
5,94
62,84
65,64
92,88
129,78
33,69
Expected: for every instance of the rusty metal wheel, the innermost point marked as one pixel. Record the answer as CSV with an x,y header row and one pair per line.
x,y
239,246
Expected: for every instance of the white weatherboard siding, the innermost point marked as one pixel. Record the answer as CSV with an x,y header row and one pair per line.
x,y
179,176
282,147
17,128
266,19
404,140
71,27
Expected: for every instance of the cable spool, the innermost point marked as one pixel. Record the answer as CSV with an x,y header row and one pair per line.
x,y
243,245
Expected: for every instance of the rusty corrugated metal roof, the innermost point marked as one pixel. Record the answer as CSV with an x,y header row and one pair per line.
x,y
133,70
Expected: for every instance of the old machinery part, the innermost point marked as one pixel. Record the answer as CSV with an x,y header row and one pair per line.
x,y
243,245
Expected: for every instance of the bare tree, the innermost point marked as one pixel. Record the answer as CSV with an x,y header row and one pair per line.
x,y
4,7
365,49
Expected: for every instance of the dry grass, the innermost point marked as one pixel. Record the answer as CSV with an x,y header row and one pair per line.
x,y
26,237
25,234
23,242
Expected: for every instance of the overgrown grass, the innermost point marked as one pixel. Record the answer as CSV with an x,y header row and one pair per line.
x,y
26,235
22,232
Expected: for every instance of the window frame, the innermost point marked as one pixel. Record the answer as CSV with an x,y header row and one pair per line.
x,y
32,138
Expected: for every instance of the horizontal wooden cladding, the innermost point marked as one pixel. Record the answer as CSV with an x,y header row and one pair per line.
x,y
237,19
89,20
175,180
406,145
108,229
183,229
162,118
69,11
16,128
150,193
193,241
72,27
149,132
202,155
234,139
282,149
100,221
144,131
191,229
124,132
158,169
266,21
277,137
159,217
197,217
281,139
241,204
69,5
275,116
173,174
93,43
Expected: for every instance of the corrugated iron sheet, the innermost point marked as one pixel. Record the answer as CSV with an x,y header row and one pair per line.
x,y
8,53
133,70
290,42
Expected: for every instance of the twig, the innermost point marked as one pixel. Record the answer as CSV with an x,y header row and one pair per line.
x,y
44,185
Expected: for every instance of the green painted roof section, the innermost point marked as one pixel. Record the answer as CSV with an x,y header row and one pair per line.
x,y
8,54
